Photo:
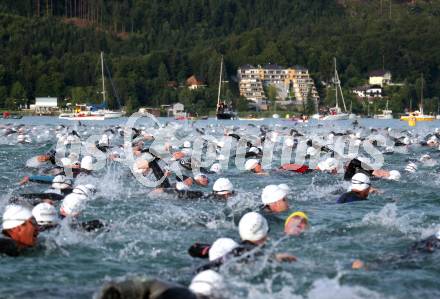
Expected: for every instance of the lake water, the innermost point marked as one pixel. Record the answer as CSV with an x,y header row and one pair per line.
x,y
150,236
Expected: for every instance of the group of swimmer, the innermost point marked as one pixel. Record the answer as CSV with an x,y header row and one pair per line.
x,y
29,214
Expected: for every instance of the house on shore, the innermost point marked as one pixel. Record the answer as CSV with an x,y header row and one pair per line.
x,y
194,83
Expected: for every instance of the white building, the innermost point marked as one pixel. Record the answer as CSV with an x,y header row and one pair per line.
x,y
380,77
368,91
45,105
291,83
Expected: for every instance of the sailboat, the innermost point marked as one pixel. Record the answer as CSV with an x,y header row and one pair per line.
x,y
418,114
81,112
386,114
335,113
223,111
84,112
106,112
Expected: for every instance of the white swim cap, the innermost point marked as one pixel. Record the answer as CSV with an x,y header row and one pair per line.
x,y
221,247
328,164
411,167
207,283
253,227
45,214
61,182
216,167
254,149
394,175
181,186
272,193
222,186
251,164
289,142
187,144
85,190
72,204
87,163
103,141
360,182
15,215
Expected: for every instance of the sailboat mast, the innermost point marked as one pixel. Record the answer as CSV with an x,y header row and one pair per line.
x,y
220,83
340,88
421,98
336,84
102,74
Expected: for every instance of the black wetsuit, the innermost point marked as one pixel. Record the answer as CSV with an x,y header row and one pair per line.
x,y
36,198
159,173
88,226
9,247
414,255
354,167
350,197
141,288
428,245
185,194
201,250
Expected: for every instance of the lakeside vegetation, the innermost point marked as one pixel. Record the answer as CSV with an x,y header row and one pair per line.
x,y
151,47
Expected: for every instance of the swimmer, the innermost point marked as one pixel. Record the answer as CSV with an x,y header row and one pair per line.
x,y
425,246
59,182
20,230
360,188
201,180
296,223
254,166
223,189
46,216
144,288
295,168
253,230
274,198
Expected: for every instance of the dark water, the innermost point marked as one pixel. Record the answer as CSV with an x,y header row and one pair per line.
x,y
150,235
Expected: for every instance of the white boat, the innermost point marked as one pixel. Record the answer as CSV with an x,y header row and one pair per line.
x,y
251,118
80,116
109,113
106,112
386,114
335,113
418,115
84,112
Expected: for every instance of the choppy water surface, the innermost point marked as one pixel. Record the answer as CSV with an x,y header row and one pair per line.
x,y
150,236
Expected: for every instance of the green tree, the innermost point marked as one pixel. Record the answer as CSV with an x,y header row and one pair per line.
x,y
163,76
3,95
17,91
242,104
132,105
10,104
310,105
272,94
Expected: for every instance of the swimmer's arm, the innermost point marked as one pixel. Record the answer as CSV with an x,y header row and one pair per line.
x,y
285,257
44,179
262,173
